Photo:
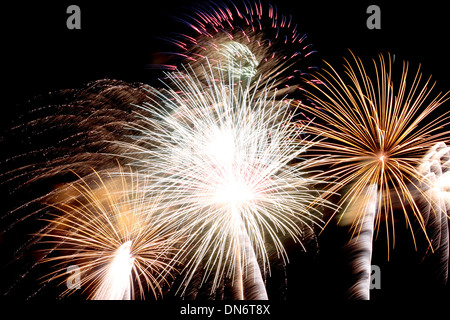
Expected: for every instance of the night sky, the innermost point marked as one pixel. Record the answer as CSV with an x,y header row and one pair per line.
x,y
118,40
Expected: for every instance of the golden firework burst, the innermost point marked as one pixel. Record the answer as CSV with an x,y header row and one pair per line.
x,y
376,132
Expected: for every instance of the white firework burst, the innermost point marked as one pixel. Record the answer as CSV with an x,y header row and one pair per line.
x,y
228,159
252,39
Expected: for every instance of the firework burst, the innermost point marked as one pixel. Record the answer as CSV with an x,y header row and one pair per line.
x,y
115,233
376,133
250,40
65,130
231,163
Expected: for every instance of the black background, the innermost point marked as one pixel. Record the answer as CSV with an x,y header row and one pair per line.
x,y
121,39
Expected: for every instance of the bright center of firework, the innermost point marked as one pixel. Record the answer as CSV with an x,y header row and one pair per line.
x,y
234,193
230,186
123,261
116,283
382,156
221,148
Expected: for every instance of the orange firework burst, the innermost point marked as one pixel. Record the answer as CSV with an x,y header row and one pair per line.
x,y
247,39
115,233
377,132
